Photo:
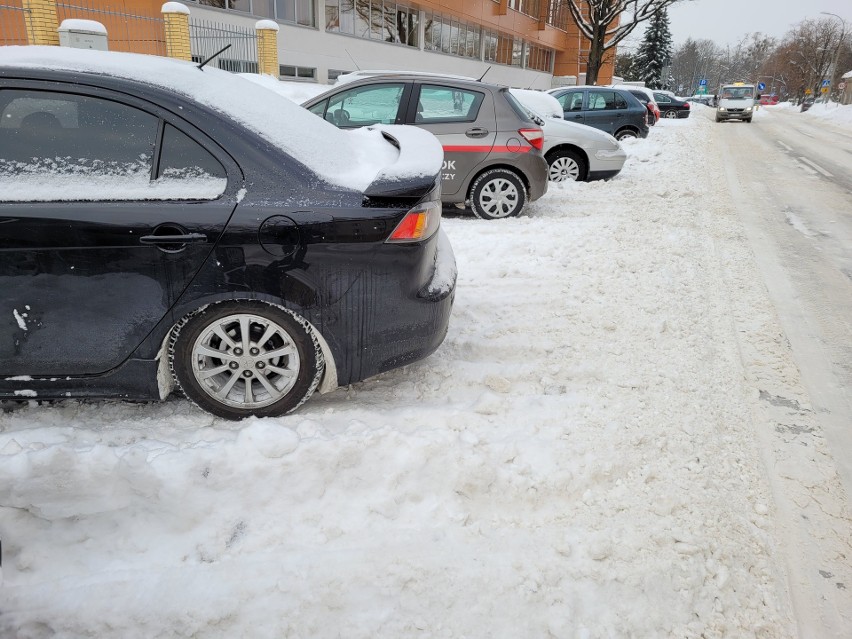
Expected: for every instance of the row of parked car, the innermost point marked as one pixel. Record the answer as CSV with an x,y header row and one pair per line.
x,y
493,138
167,226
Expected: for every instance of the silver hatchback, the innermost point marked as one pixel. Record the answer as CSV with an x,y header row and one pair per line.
x,y
492,149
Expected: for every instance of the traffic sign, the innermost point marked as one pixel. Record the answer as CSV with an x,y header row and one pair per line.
x,y
808,91
761,86
825,83
702,82
824,90
841,85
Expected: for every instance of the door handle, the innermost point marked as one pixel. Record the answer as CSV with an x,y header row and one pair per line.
x,y
476,132
188,238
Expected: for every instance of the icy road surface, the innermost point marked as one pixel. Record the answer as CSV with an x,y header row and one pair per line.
x,y
613,441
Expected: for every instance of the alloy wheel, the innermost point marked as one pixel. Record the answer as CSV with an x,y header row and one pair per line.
x,y
245,361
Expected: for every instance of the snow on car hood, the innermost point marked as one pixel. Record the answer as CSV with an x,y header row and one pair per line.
x,y
349,159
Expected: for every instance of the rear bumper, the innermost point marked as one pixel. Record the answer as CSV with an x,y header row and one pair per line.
x,y
397,330
537,174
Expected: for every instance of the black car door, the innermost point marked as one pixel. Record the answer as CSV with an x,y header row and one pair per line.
x,y
108,208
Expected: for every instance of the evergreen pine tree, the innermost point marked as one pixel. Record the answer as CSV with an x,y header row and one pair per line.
x,y
655,52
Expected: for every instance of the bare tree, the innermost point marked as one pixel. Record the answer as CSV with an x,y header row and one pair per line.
x,y
605,23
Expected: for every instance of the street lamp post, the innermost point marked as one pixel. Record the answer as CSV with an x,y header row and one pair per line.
x,y
836,51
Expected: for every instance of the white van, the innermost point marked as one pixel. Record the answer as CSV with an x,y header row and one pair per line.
x,y
735,102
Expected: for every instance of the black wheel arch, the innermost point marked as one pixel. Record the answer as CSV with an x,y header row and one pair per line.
x,y
569,147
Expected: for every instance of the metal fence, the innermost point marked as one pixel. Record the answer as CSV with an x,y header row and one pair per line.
x,y
206,38
13,26
126,31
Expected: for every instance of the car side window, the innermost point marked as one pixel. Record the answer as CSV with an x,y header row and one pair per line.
x,y
571,101
662,98
57,146
620,102
600,100
319,108
362,106
447,104
188,168
64,147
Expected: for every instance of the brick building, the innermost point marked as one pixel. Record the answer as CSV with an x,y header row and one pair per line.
x,y
525,42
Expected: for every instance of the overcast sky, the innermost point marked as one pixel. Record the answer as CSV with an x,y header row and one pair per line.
x,y
727,21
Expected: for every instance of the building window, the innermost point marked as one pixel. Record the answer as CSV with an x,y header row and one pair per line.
x,y
298,73
527,7
503,49
558,15
296,11
539,58
373,20
450,35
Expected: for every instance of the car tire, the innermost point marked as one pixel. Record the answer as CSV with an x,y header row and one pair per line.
x,y
566,165
497,194
748,120
671,115
625,133
267,361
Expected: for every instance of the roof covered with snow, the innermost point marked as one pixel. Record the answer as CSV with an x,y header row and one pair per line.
x,y
350,159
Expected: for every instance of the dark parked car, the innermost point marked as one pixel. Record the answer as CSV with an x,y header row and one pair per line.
x,y
671,107
165,226
615,111
646,97
492,149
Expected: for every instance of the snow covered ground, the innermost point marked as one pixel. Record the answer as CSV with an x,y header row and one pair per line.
x,y
582,457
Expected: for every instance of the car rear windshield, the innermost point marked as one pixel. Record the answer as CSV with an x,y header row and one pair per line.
x,y
516,106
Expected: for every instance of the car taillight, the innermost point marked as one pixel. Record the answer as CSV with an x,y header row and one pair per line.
x,y
687,105
534,136
419,224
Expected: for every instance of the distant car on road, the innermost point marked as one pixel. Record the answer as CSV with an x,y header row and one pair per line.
x,y
492,149
807,103
670,106
615,111
169,227
735,102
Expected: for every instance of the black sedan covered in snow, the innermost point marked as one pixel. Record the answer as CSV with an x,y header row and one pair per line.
x,y
165,226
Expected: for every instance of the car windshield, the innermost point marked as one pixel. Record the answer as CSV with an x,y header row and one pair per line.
x,y
738,93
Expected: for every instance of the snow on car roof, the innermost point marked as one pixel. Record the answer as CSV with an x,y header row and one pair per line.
x,y
627,87
542,103
350,159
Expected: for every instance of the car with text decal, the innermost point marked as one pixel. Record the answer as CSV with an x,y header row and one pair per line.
x,y
493,158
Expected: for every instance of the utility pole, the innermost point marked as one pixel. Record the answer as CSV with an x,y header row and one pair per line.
x,y
833,70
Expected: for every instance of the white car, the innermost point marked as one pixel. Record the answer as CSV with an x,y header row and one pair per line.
x,y
573,151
